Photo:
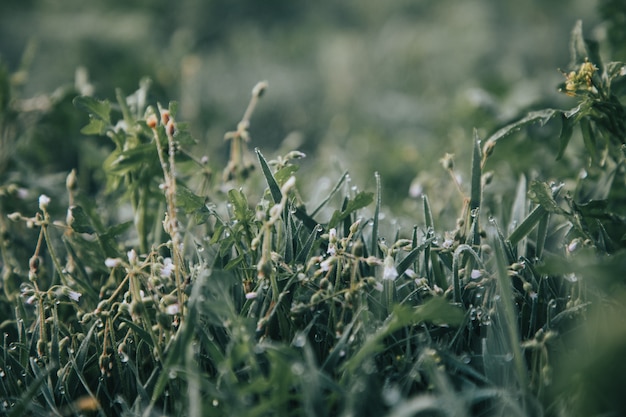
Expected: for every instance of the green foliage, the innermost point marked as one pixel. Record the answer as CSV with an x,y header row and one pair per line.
x,y
172,291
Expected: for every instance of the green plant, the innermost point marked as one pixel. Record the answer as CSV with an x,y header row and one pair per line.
x,y
186,293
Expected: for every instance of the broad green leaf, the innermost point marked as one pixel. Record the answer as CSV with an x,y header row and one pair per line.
x,y
284,173
98,109
81,222
240,205
95,127
192,203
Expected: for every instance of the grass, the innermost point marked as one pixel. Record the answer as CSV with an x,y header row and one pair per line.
x,y
175,291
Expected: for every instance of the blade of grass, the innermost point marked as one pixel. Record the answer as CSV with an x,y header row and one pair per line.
x,y
519,213
277,195
456,260
508,315
331,194
374,242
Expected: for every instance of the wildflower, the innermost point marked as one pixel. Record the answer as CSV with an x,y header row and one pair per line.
x,y
476,273
389,272
112,262
332,241
132,256
168,268
327,263
44,200
172,309
74,295
447,243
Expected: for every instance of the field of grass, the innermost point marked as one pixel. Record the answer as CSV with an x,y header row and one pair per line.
x,y
143,275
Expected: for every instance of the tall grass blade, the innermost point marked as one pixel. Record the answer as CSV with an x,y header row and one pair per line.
x,y
519,213
506,316
374,242
277,195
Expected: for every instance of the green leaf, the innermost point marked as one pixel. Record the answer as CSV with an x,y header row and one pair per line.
x,y
589,138
476,190
81,222
192,203
277,195
437,310
331,194
134,159
374,243
541,193
567,128
362,199
95,127
541,116
97,109
240,205
412,256
284,173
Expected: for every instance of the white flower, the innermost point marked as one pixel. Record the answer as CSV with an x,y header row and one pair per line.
x,y
168,268
74,295
475,274
132,256
172,309
326,264
332,241
447,244
112,262
251,295
389,272
44,200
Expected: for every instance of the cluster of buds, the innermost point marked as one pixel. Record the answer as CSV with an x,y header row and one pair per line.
x,y
581,79
166,120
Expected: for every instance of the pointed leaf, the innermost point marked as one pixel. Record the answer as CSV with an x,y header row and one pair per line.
x,y
100,110
277,195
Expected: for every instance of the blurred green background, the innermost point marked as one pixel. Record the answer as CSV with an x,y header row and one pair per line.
x,y
364,85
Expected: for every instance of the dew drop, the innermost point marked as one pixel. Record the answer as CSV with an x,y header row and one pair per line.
x,y
466,359
318,337
215,402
